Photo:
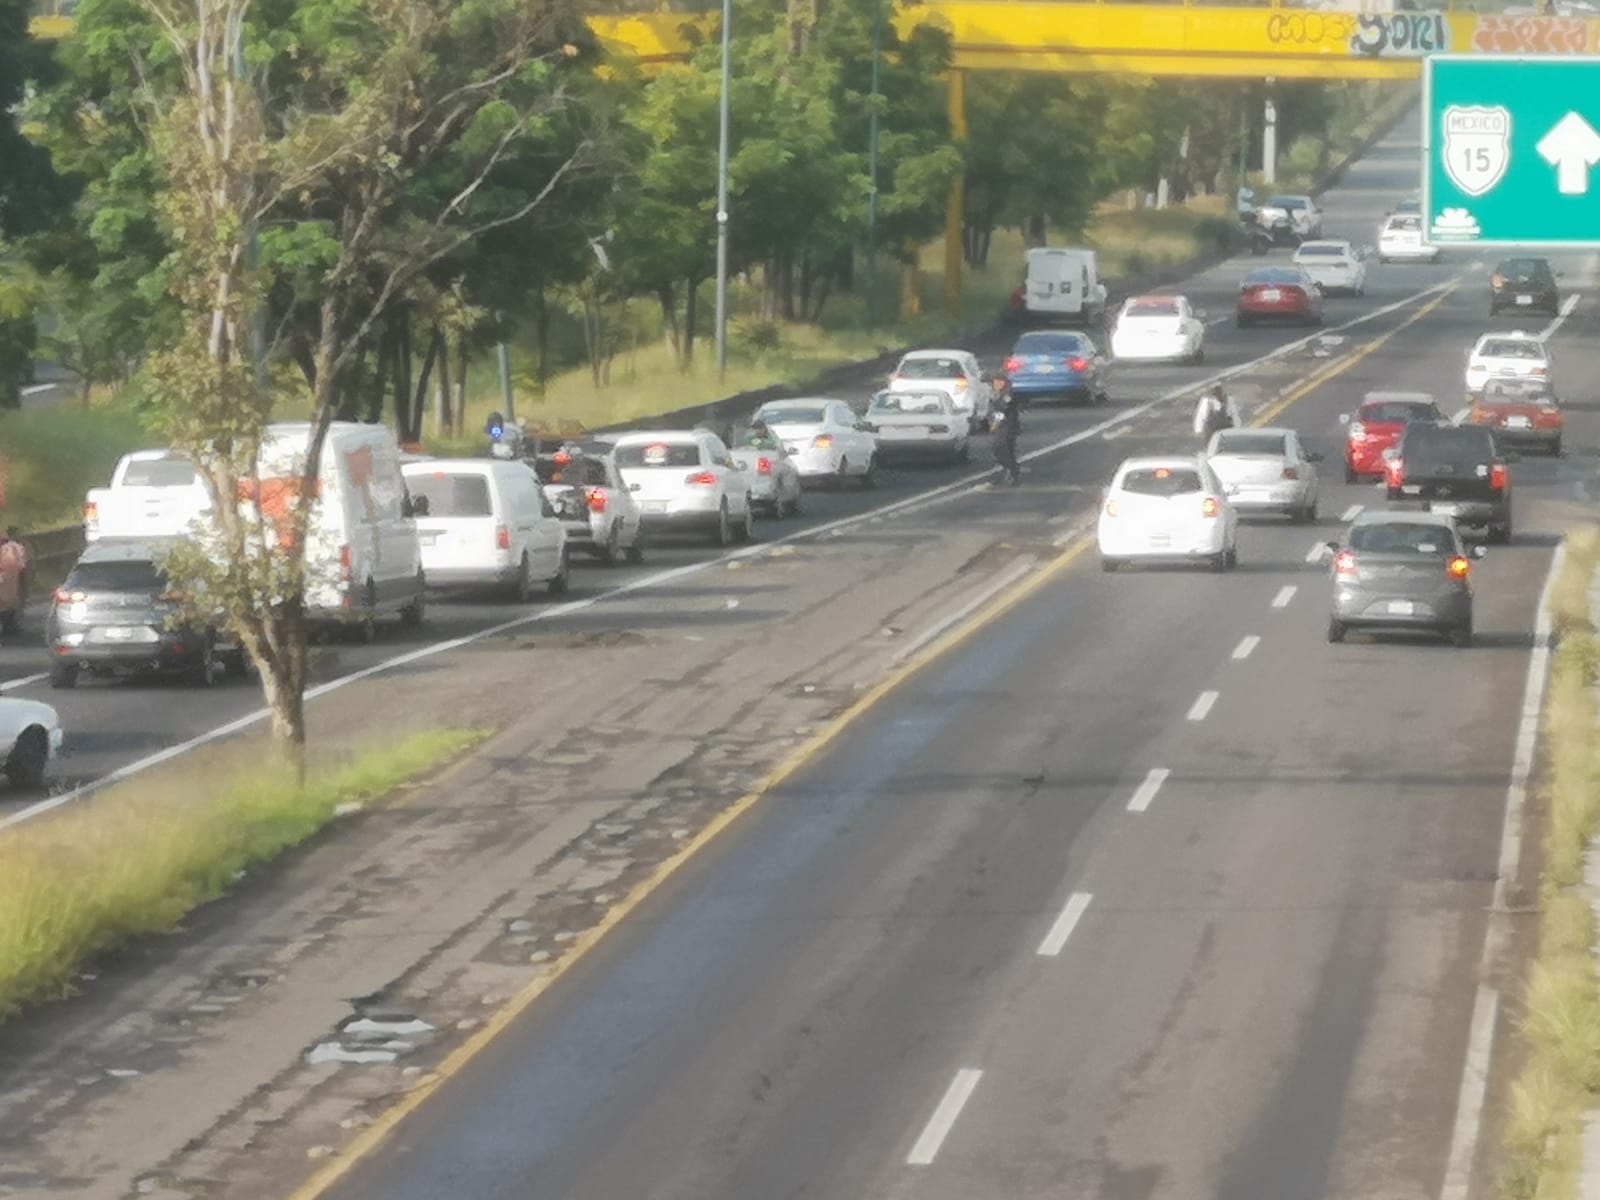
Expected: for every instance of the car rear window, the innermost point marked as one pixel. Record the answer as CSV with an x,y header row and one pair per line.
x,y
659,454
1272,277
1521,270
1051,343
1162,481
1428,447
1153,306
1395,413
1508,348
128,576
1321,252
930,368
588,471
452,495
159,472
1252,443
916,403
793,415
1393,537
1288,203
1519,391
1405,224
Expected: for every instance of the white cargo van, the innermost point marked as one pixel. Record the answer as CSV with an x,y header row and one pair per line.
x,y
1063,285
485,522
151,490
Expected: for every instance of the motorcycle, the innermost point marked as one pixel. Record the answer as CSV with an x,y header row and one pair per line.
x,y
1257,238
505,437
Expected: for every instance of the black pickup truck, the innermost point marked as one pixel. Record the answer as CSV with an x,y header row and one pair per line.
x,y
1455,471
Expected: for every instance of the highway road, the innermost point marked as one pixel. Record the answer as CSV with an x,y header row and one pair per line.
x,y
113,724
1144,892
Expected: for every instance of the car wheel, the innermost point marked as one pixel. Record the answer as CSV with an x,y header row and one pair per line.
x,y
1199,356
1461,637
414,613
1335,630
364,628
747,527
1383,261
1231,558
869,477
8,622
522,589
236,664
63,675
843,473
1555,448
635,551
722,535
1350,475
611,555
25,766
557,586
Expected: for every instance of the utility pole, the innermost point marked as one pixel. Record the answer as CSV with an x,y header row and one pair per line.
x,y
1269,138
503,353
722,192
872,165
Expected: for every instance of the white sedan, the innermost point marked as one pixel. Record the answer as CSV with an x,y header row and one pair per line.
x,y
1336,266
686,480
1514,355
956,373
30,735
1167,509
918,425
1266,470
824,437
1400,240
774,478
1158,329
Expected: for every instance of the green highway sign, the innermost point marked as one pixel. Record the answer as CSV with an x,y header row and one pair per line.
x,y
1511,150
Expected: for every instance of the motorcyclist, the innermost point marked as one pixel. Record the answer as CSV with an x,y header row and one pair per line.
x,y
1216,410
1007,425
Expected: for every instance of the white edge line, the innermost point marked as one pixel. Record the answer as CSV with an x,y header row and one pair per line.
x,y
1061,929
1470,1098
944,1117
1246,645
1006,579
968,483
1351,513
1146,791
1316,553
1285,594
1202,705
1567,307
22,681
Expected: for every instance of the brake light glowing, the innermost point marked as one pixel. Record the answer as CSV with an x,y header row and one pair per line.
x,y
562,458
763,466
1459,567
597,500
1344,563
702,479
1077,364
91,514
1498,477
1013,365
345,563
1291,472
1550,412
961,385
1395,472
1539,371
502,537
822,441
1210,508
62,596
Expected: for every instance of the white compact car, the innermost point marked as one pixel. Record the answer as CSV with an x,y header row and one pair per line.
x,y
1266,470
1158,329
1400,240
485,522
923,424
1514,355
1165,510
825,439
1336,265
774,478
956,373
30,736
686,480
1302,213
583,485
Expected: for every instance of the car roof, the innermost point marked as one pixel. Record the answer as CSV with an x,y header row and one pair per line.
x,y
125,549
1339,242
1280,430
1150,461
152,455
1511,335
1404,517
670,436
1398,398
934,354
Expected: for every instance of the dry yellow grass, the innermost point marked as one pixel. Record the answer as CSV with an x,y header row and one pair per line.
x,y
141,856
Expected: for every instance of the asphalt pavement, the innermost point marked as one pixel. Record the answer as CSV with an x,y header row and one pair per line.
x,y
1145,892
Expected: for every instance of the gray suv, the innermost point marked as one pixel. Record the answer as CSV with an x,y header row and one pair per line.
x,y
1402,571
115,613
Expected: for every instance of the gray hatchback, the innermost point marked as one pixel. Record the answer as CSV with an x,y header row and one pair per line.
x,y
1402,571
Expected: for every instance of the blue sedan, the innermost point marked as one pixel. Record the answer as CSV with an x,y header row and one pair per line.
x,y
1057,363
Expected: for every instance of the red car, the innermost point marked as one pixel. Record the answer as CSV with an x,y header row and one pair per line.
x,y
1378,424
1521,412
1279,294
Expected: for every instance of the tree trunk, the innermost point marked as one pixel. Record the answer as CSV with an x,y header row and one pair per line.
x,y
419,398
283,686
404,424
541,337
441,390
808,282
461,383
380,378
824,290
666,295
691,318
786,287
1034,232
983,248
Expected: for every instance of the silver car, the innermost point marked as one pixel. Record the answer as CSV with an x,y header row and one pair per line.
x,y
1402,571
1266,471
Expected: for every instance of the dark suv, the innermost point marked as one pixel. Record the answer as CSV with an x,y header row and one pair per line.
x,y
1524,283
114,613
1455,471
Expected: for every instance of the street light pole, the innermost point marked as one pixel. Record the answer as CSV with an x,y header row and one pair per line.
x,y
722,193
872,163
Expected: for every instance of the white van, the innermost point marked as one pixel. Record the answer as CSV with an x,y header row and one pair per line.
x,y
1063,285
485,522
149,490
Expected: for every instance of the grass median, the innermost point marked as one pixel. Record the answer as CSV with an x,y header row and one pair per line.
x,y
141,856
1559,1074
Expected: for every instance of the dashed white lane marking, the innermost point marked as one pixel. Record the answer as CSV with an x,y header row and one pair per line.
x,y
1202,706
1065,923
1351,513
1469,1100
23,681
1285,594
1317,553
1246,646
944,1117
1567,305
1146,791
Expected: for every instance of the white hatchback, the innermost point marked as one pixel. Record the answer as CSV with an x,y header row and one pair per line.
x,y
1167,509
1514,355
954,372
1266,470
485,522
1336,266
1400,240
686,480
1158,329
825,439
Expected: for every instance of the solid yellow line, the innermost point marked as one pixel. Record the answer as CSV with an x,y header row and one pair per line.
x,y
457,1061
462,1056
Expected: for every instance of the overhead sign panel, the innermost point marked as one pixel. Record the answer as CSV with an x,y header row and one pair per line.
x,y
1511,150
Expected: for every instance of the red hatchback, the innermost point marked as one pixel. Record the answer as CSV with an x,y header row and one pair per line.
x,y
1378,424
1279,294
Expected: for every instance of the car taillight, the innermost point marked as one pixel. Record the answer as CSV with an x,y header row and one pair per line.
x,y
344,563
1358,431
62,596
91,514
1498,477
1077,364
961,385
822,441
763,466
1210,508
1459,567
502,537
1344,563
702,479
1539,371
1497,280
1013,365
597,500
1291,472
1395,472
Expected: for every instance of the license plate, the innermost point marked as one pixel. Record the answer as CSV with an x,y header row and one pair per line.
x,y
654,506
1159,541
1272,294
123,633
1045,368
1524,299
1412,489
1518,423
1401,608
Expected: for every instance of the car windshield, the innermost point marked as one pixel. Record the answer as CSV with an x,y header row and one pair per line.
x,y
1406,224
1275,444
159,472
1153,306
1162,481
659,454
1395,537
1312,251
915,403
930,368
1290,203
452,495
1508,348
131,575
574,470
793,415
1395,413
1271,276
1051,343
750,438
1522,270
1428,447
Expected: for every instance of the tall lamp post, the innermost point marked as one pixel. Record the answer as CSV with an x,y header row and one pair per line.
x,y
722,193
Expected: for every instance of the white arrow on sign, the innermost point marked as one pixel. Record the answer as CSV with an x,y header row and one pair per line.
x,y
1572,147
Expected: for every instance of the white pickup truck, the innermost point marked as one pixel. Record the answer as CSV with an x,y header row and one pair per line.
x,y
153,493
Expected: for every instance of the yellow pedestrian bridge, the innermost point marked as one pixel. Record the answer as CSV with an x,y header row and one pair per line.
x,y
1158,39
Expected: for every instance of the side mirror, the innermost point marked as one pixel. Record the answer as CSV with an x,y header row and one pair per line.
x,y
1344,418
1478,550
